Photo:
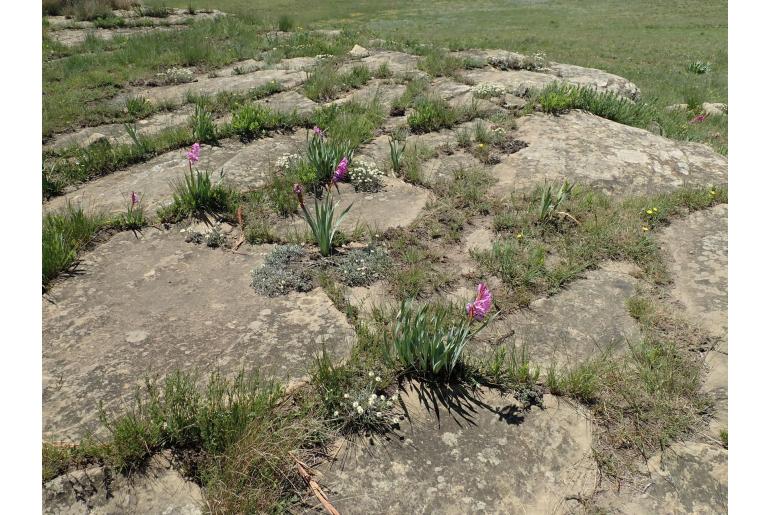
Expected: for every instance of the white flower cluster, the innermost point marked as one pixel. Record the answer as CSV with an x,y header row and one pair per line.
x,y
286,161
488,89
368,407
537,61
365,176
176,75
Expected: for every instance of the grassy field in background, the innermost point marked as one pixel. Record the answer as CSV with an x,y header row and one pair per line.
x,y
648,42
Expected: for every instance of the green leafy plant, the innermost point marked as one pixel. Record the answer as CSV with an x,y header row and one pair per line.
x,y
324,155
140,143
549,203
429,340
285,23
323,222
65,233
699,67
203,127
396,153
133,219
431,114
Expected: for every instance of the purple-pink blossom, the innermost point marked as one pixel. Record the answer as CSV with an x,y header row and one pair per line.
x,y
341,171
134,198
698,119
298,192
479,308
195,153
318,132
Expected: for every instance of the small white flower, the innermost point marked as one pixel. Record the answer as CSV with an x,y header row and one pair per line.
x,y
382,397
355,404
389,404
360,410
371,402
394,397
379,414
336,414
378,379
346,396
395,420
371,374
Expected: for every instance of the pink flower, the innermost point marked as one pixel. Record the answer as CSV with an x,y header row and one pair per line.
x,y
318,132
479,308
195,153
298,192
341,171
699,119
134,198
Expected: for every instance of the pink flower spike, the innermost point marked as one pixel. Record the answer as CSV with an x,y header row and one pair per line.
x,y
341,171
134,198
195,153
479,308
298,192
318,132
698,119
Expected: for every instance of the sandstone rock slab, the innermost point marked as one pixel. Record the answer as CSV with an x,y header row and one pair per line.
x,y
116,132
158,489
616,158
151,304
289,102
466,452
584,320
245,166
76,36
697,246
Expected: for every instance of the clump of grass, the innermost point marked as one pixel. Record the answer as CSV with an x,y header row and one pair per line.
x,y
138,107
325,82
65,234
154,11
197,195
383,71
285,23
439,63
415,89
255,120
133,219
699,67
352,122
396,153
203,127
431,113
415,272
556,98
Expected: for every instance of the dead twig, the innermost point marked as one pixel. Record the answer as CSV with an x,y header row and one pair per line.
x,y
307,476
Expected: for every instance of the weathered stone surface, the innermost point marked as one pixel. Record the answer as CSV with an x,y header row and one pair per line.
x,y
444,166
151,304
205,85
175,17
72,37
288,102
158,489
714,108
245,166
585,319
358,51
697,245
398,62
594,151
688,477
468,452
519,81
116,133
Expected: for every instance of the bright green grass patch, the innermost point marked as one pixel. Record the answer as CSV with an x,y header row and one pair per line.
x,y
325,82
353,122
64,234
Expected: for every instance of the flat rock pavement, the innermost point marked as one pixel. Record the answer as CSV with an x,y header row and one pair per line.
x,y
464,452
582,147
152,304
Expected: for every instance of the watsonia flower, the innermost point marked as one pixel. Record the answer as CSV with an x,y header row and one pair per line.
x,y
341,171
194,153
479,308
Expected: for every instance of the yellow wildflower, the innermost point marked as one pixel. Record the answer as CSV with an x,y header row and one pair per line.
x,y
649,211
655,209
713,192
519,236
645,228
